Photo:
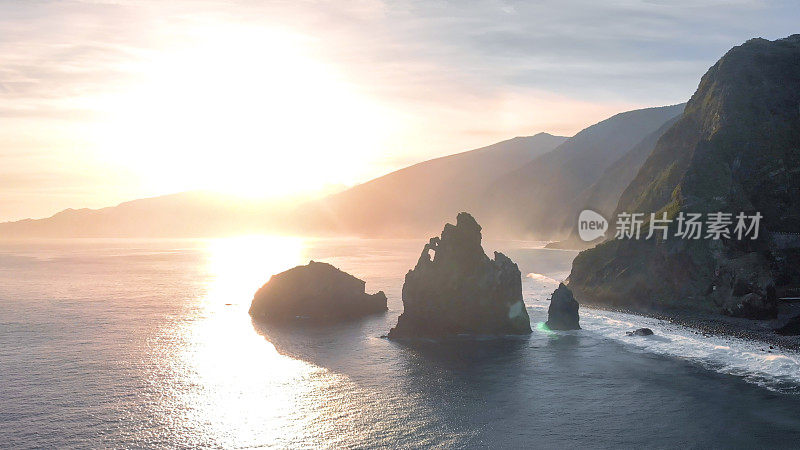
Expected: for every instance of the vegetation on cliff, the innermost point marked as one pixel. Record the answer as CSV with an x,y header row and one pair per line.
x,y
735,149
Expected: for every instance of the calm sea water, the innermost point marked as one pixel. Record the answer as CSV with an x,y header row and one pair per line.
x,y
148,344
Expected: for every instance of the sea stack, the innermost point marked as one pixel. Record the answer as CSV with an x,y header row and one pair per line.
x,y
460,291
317,292
563,311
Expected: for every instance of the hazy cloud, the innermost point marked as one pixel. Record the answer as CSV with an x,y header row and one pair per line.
x,y
459,74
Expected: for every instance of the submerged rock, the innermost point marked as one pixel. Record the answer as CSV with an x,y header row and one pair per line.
x,y
318,292
461,291
563,311
640,332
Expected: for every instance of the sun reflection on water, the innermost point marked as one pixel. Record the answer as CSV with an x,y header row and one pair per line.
x,y
229,385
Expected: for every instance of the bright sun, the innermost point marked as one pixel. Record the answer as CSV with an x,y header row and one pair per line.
x,y
242,111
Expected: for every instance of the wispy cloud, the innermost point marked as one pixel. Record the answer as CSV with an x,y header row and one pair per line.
x,y
455,75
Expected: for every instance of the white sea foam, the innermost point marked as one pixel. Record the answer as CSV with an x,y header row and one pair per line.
x,y
752,360
540,277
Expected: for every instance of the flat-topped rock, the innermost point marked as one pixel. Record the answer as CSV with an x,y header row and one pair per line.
x,y
317,292
460,291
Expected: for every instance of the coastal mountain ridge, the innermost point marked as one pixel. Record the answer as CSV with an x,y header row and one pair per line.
x,y
603,196
401,202
420,197
185,214
499,182
736,148
540,199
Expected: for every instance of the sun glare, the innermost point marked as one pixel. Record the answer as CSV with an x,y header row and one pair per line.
x,y
243,111
238,266
222,345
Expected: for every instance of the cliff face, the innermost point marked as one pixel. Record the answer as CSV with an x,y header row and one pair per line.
x,y
317,292
735,149
461,290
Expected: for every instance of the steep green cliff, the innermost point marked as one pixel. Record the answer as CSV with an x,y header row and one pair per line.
x,y
735,149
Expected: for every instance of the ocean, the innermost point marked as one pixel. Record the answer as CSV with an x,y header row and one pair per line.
x,y
147,343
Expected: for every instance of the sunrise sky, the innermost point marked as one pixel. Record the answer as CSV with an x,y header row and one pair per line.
x,y
106,101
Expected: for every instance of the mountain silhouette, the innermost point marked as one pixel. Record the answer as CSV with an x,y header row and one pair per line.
x,y
540,198
423,196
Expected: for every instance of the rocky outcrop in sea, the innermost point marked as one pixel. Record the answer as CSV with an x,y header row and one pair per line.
x,y
317,292
460,291
563,311
640,332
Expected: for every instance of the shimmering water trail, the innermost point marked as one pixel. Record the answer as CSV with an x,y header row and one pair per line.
x,y
125,343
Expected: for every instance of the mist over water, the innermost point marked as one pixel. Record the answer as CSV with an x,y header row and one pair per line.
x,y
120,343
